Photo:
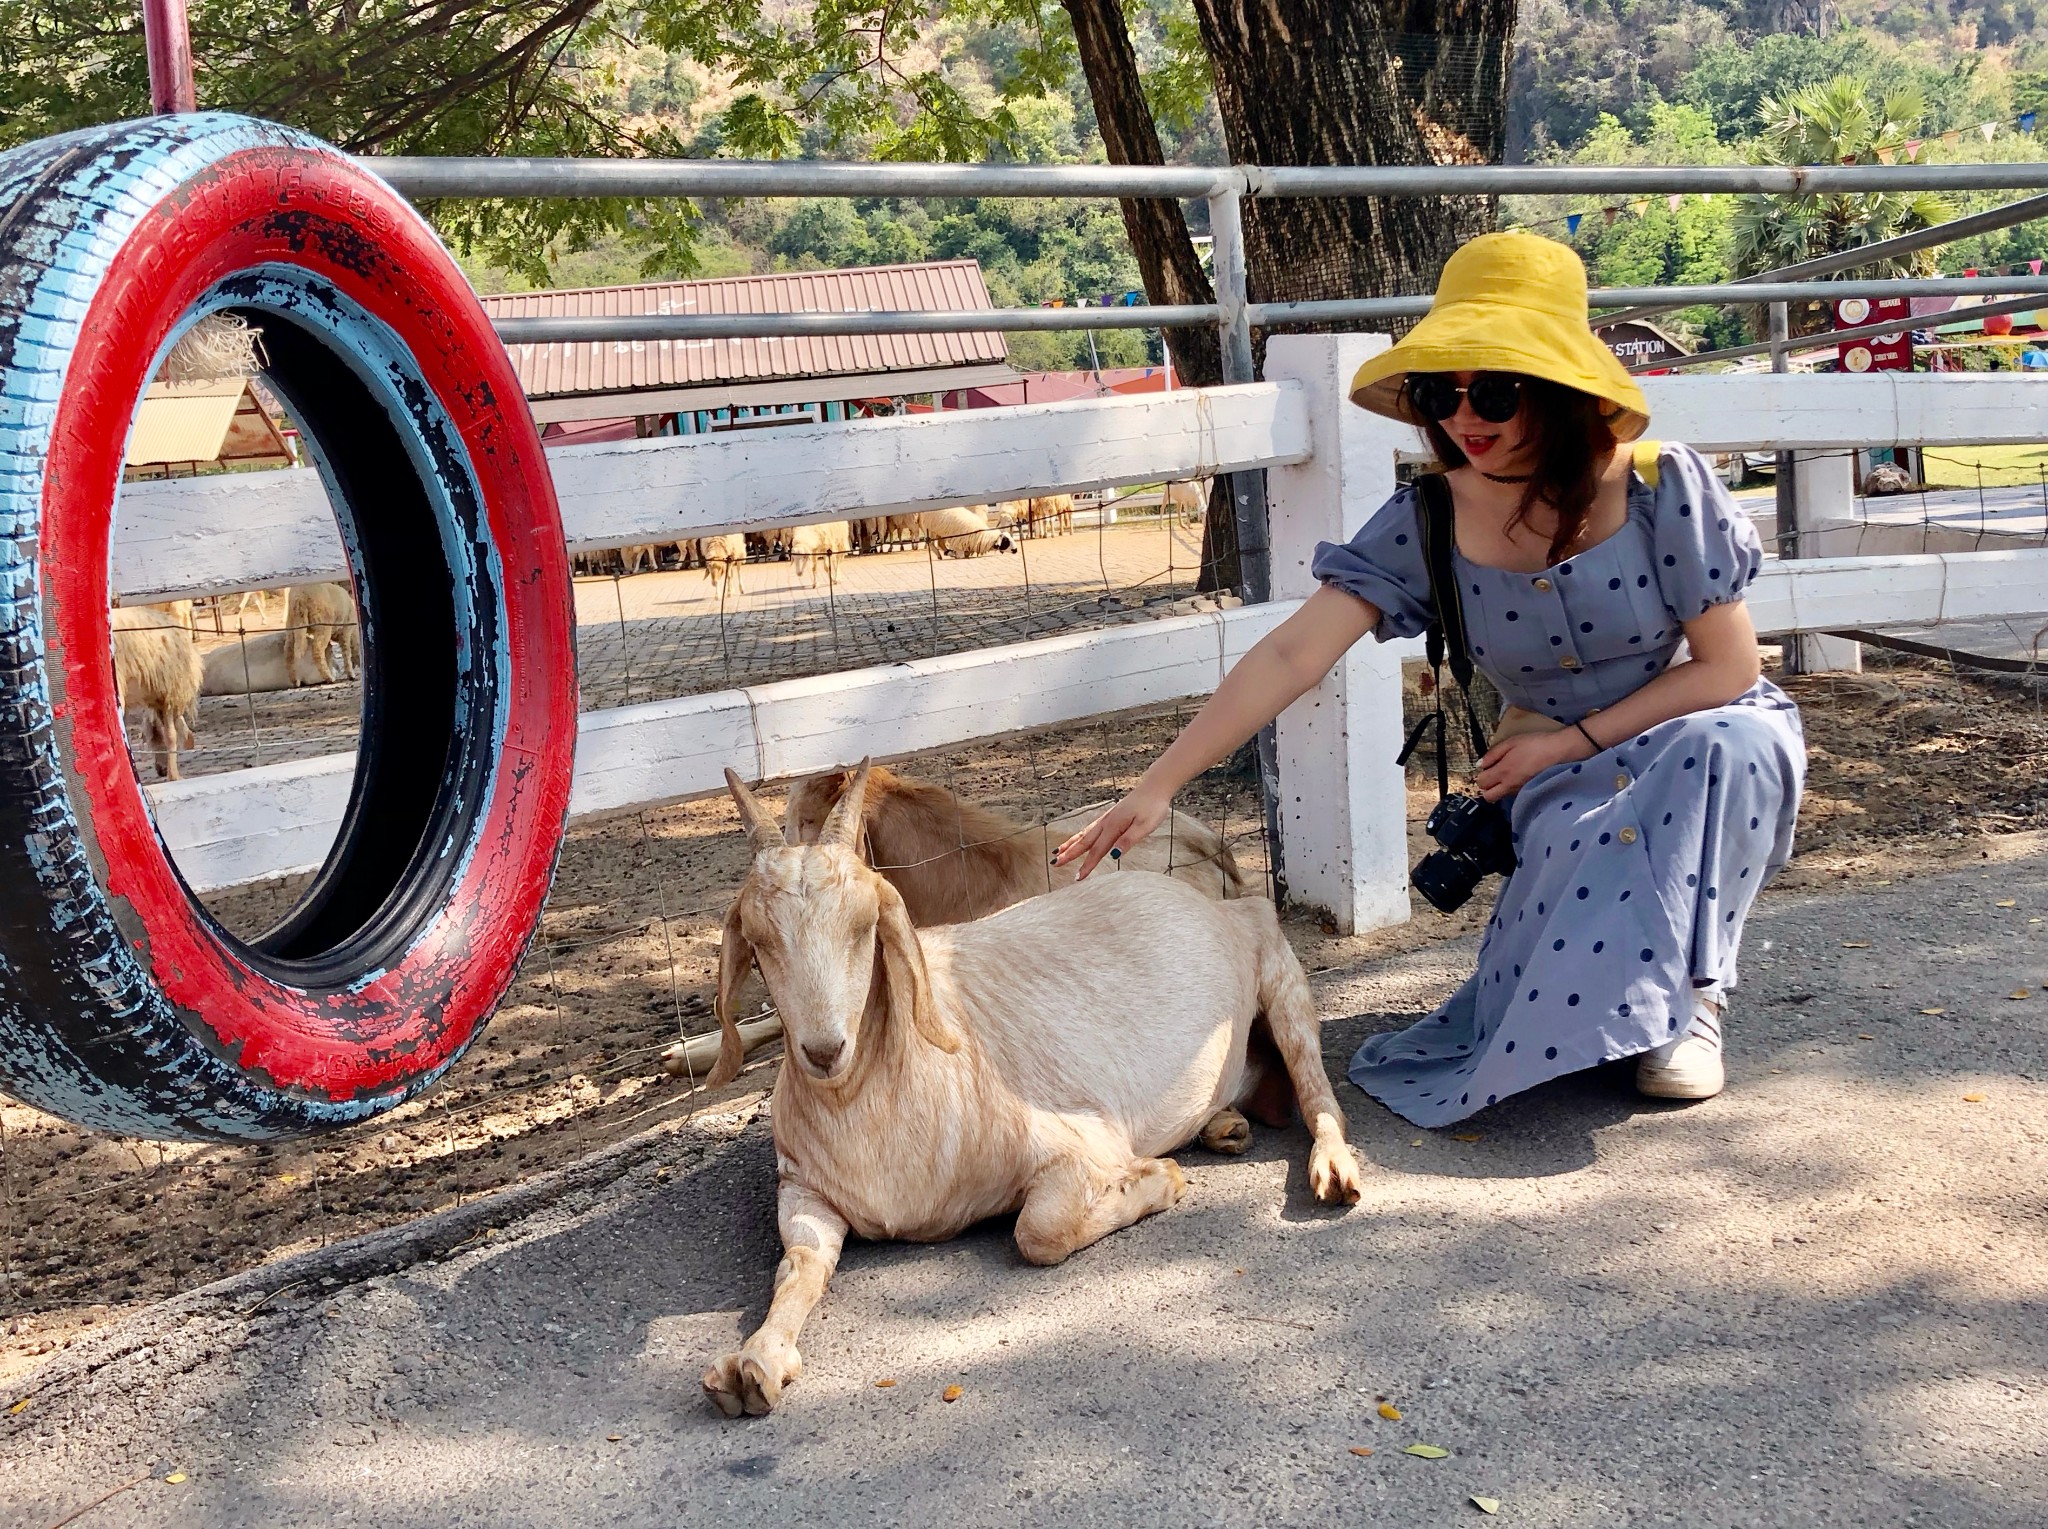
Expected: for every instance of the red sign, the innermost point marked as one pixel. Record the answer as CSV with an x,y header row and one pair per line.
x,y
1875,353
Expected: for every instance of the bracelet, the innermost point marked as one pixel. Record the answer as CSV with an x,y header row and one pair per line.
x,y
1598,746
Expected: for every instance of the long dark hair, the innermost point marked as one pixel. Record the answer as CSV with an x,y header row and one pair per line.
x,y
1573,439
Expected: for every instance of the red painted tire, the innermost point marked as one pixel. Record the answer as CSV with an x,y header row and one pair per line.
x,y
123,1005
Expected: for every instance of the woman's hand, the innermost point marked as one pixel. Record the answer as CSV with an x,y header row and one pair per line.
x,y
1124,826
1514,762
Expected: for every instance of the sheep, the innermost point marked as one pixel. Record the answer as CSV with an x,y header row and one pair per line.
x,y
251,665
812,546
1010,514
1052,514
1041,1061
723,557
157,671
631,559
315,617
955,860
1188,499
962,531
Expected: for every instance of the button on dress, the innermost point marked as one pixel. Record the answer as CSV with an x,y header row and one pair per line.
x,y
1637,866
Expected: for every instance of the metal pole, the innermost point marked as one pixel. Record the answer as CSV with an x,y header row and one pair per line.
x,y
1247,489
167,34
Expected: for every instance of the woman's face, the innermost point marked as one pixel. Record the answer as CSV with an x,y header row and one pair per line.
x,y
1489,446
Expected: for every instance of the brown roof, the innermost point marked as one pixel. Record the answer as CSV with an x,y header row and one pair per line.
x,y
562,370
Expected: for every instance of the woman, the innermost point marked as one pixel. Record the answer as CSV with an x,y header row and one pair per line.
x,y
1652,776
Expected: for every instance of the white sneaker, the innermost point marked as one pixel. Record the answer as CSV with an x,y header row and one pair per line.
x,y
1689,1067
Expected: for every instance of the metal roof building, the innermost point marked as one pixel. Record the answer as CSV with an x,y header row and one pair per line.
x,y
607,379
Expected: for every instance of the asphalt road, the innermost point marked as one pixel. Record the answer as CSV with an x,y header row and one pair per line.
x,y
1816,1300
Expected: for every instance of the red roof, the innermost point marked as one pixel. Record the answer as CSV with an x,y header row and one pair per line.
x,y
562,370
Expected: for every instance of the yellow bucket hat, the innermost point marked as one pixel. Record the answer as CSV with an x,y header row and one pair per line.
x,y
1511,302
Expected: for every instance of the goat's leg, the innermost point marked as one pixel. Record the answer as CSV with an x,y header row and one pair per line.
x,y
751,1380
1290,1011
1073,1202
1227,1132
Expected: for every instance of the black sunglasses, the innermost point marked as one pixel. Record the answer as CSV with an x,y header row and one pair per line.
x,y
1496,397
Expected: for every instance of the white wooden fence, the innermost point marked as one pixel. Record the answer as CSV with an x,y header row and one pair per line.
x,y
1343,825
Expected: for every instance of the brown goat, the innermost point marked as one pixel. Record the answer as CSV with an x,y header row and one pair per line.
x,y
955,860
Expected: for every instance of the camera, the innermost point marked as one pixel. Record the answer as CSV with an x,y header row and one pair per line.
x,y
1478,841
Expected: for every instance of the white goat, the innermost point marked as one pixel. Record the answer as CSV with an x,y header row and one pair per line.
x,y
1038,1061
813,549
962,531
316,617
157,672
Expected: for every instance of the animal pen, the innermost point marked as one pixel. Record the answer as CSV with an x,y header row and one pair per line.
x,y
1037,680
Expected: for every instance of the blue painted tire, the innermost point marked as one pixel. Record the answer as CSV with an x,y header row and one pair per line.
x,y
123,1005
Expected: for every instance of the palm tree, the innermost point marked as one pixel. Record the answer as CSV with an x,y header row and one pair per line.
x,y
1835,123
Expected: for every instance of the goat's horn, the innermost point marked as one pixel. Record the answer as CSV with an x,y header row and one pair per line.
x,y
842,827
759,822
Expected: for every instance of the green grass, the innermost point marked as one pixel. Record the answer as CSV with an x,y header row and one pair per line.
x,y
1957,466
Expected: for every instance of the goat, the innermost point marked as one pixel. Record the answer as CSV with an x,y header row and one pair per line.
x,y
157,671
955,860
962,531
1010,514
1039,1061
723,558
317,616
812,548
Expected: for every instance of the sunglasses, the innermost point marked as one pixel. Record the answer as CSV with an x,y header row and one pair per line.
x,y
1496,397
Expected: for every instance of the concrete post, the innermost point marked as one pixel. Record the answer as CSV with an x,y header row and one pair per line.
x,y
1829,527
1343,801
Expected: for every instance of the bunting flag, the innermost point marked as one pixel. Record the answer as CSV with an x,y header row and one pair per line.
x,y
2027,120
1952,137
1913,149
1572,221
1988,129
1674,201
1640,209
1884,156
2033,268
1609,214
1848,159
1970,271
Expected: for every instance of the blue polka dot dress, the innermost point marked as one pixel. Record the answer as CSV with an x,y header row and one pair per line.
x,y
1639,865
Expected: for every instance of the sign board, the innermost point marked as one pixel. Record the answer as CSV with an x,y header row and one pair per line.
x,y
1875,353
1638,344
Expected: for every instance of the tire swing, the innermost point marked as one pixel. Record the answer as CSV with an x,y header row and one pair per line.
x,y
124,1006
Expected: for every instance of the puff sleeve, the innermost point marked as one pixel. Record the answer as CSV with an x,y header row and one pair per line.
x,y
1383,564
1707,550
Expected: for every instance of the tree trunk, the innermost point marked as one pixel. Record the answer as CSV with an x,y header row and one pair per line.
x,y
1158,233
1373,82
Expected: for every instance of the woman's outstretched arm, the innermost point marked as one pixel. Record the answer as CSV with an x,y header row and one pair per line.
x,y
1284,664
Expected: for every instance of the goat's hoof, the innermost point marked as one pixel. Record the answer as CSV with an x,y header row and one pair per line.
x,y
1176,1181
1334,1174
745,1383
1227,1132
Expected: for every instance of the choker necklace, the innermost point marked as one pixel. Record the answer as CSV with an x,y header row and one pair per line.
x,y
1505,477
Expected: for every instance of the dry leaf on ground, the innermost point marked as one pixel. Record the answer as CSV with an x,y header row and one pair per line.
x,y
1973,1098
175,1477
1855,944
1934,1011
1360,1449
1390,1412
1468,1136
883,1385
1486,1504
1427,1451
951,1394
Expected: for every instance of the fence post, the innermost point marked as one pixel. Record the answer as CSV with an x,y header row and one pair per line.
x,y
1344,804
1824,497
167,38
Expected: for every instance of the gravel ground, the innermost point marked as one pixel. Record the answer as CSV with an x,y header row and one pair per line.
x,y
1815,1300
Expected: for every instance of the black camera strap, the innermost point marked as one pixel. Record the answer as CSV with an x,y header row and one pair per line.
x,y
1444,639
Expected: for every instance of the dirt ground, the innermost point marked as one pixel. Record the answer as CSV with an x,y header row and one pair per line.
x,y
1914,768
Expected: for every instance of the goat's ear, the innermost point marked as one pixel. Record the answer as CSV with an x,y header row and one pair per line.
x,y
735,960
844,825
909,988
758,820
